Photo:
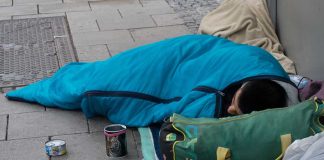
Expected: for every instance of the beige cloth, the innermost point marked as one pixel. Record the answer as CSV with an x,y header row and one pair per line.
x,y
248,22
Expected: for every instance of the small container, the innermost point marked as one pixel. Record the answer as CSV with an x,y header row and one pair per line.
x,y
299,81
55,147
116,144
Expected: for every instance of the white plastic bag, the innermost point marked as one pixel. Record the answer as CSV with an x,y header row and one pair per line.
x,y
310,148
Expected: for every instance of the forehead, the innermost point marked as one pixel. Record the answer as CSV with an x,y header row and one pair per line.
x,y
235,101
236,95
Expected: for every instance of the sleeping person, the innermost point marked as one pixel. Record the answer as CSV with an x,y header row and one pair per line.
x,y
192,75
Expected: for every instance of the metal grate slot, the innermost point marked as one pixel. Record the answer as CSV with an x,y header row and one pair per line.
x,y
33,49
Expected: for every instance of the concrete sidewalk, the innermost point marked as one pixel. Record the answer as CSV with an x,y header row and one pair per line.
x,y
100,29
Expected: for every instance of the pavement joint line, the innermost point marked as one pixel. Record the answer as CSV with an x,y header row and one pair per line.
x,y
23,112
95,132
120,13
71,39
98,25
46,15
140,2
109,52
90,44
160,26
113,30
25,138
7,127
130,32
89,6
55,135
154,20
133,29
70,134
88,126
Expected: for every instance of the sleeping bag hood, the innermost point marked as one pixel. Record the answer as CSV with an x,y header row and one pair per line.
x,y
184,75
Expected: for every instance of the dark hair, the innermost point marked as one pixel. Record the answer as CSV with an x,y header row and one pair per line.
x,y
261,94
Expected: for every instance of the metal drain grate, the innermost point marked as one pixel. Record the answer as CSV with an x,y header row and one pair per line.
x,y
32,49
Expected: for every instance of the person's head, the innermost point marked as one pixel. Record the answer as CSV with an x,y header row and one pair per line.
x,y
256,95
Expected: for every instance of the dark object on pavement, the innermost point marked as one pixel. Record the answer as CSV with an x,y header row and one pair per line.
x,y
116,144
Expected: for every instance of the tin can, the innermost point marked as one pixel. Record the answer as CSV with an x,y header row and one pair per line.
x,y
116,144
55,147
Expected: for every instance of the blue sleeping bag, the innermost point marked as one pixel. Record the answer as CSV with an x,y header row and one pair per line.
x,y
183,75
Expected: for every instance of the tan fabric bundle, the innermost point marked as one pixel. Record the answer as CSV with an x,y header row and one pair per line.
x,y
248,22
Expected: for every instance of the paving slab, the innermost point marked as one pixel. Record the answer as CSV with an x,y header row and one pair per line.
x,y
97,124
38,15
77,1
86,21
116,48
10,107
5,2
26,149
66,7
148,10
83,146
149,35
35,2
167,19
92,53
49,123
117,40
131,21
82,22
3,127
114,4
18,10
91,147
154,3
103,37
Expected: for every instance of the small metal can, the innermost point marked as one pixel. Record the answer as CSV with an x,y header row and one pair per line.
x,y
116,144
55,147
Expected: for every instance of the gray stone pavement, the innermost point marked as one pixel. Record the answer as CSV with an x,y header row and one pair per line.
x,y
100,29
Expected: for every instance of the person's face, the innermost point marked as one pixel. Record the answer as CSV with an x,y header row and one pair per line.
x,y
233,108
